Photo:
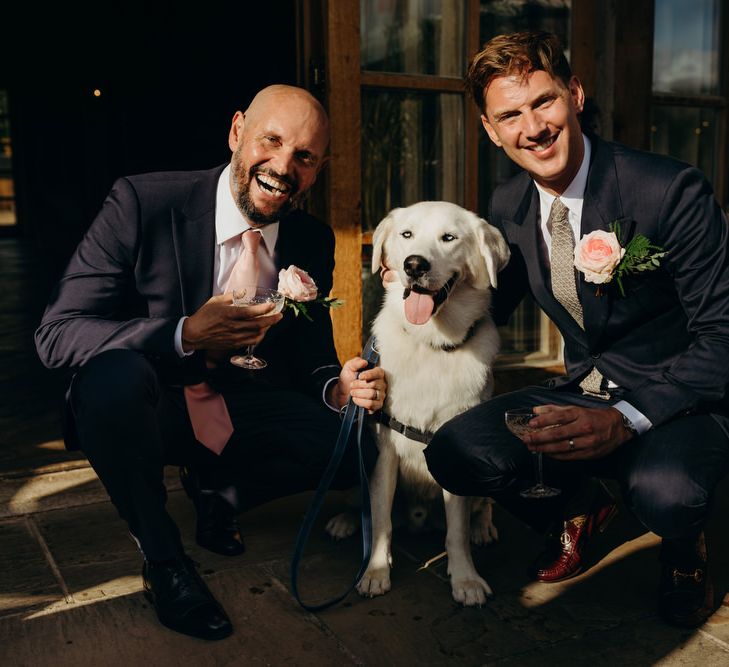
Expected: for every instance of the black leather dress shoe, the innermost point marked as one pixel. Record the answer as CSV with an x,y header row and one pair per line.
x,y
685,594
216,529
182,600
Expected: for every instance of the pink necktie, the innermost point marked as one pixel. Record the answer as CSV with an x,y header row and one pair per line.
x,y
209,415
245,271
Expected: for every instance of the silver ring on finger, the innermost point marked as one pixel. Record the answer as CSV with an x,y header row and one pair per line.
x,y
571,444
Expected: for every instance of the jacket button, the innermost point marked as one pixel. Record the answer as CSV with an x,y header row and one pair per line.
x,y
595,355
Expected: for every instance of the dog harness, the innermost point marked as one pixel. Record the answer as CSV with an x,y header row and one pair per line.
x,y
403,429
452,347
410,431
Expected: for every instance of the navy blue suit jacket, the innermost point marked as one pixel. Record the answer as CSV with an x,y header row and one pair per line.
x,y
147,260
666,343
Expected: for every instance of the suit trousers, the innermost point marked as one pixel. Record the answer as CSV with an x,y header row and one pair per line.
x,y
667,475
129,425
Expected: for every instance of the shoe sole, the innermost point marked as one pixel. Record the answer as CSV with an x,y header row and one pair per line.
x,y
577,572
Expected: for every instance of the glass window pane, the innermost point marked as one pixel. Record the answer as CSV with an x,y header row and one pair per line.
x,y
686,47
505,16
8,217
411,150
687,133
413,36
7,192
523,334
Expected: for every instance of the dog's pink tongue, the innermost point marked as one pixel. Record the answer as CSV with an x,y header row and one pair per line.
x,y
419,307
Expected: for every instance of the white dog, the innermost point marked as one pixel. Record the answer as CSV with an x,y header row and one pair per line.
x,y
437,342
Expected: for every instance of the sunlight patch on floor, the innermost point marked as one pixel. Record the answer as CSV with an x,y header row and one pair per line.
x,y
52,446
537,594
29,497
102,592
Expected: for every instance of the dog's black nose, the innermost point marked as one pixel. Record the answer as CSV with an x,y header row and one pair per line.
x,y
415,265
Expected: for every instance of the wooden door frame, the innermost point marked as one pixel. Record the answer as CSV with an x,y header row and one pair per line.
x,y
611,52
330,67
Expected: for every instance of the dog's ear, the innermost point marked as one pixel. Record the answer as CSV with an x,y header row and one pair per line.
x,y
380,235
493,253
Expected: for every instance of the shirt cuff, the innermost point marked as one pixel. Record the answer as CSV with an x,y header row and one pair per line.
x,y
638,419
324,393
178,340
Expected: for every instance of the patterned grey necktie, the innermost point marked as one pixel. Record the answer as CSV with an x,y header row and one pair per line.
x,y
564,285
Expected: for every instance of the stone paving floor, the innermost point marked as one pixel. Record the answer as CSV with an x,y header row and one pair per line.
x,y
70,594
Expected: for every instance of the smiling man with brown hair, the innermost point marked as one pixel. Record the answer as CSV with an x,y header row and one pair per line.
x,y
644,399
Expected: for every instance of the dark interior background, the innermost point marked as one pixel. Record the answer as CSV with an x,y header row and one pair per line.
x,y
171,75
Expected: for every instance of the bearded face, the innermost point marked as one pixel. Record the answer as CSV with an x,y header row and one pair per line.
x,y
278,146
281,192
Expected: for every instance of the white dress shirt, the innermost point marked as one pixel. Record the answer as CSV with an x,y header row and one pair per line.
x,y
573,198
230,223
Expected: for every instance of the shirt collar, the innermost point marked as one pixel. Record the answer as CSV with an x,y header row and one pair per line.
x,y
231,223
575,192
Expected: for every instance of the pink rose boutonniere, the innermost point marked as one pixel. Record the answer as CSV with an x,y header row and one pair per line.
x,y
597,254
299,289
601,257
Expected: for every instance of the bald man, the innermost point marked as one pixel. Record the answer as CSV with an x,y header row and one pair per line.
x,y
142,315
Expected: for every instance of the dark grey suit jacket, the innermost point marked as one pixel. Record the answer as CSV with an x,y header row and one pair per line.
x,y
147,260
666,343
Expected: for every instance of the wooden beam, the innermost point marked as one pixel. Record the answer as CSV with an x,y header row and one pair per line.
x,y
584,44
472,114
342,82
633,72
412,82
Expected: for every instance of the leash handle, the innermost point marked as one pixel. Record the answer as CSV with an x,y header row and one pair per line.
x,y
351,414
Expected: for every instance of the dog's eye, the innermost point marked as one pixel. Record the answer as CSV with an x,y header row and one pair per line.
x,y
447,238
406,234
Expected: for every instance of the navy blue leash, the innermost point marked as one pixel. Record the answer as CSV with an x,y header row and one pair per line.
x,y
352,413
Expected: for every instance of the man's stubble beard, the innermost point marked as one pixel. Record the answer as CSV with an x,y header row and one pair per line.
x,y
244,201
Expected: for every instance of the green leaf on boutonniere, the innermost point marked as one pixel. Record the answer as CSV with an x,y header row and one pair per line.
x,y
640,255
301,307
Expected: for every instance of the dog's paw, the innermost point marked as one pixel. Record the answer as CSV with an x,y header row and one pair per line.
x,y
341,526
484,532
471,592
376,581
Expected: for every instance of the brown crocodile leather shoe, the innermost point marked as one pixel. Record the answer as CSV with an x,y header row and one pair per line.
x,y
685,591
564,549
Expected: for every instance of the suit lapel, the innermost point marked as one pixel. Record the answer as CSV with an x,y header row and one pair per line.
x,y
290,249
602,205
193,233
294,246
